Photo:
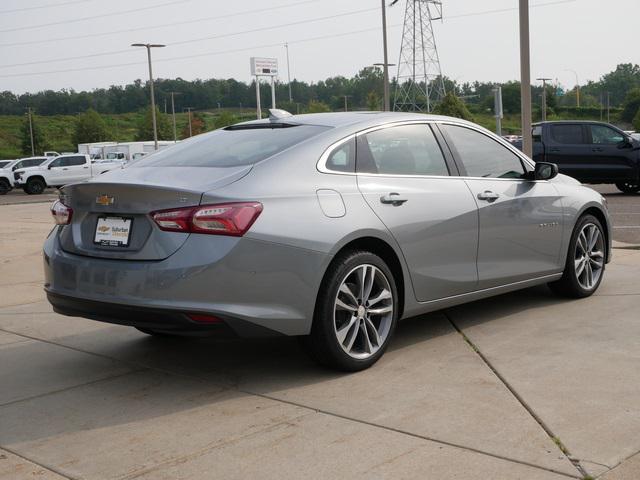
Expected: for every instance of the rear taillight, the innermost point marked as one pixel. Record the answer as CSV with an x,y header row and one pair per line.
x,y
61,213
232,219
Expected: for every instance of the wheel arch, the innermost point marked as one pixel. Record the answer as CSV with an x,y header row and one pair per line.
x,y
385,250
597,212
38,177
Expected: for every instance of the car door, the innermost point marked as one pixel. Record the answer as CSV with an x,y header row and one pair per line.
x,y
406,179
520,220
567,146
611,157
56,171
75,169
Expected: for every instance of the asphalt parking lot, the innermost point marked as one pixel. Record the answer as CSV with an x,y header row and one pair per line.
x,y
523,386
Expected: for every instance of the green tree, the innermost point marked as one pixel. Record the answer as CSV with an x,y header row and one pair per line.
x,y
317,107
631,105
145,126
636,121
452,106
373,101
40,142
90,127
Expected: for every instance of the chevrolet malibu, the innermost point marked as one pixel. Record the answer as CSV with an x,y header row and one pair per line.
x,y
331,227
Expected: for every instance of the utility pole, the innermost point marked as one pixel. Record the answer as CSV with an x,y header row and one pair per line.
x,y
33,147
497,92
346,109
608,107
385,74
601,105
188,109
525,79
173,114
258,106
286,45
149,46
544,97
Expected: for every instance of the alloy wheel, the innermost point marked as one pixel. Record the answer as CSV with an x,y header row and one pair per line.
x,y
589,256
363,311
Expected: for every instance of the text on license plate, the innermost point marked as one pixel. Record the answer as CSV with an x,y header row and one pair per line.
x,y
113,231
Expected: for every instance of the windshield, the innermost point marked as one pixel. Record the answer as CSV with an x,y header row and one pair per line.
x,y
231,147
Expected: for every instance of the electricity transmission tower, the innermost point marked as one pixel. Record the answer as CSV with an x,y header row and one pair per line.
x,y
420,85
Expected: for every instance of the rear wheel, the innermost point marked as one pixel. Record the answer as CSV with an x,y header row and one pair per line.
x,y
356,312
585,265
35,186
628,187
5,186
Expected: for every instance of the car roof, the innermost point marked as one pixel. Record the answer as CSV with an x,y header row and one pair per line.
x,y
343,119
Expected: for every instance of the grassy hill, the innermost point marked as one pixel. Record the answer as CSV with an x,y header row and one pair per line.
x,y
58,129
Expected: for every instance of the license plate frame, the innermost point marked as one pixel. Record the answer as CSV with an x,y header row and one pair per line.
x,y
107,237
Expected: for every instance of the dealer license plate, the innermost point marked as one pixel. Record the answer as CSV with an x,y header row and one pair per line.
x,y
113,231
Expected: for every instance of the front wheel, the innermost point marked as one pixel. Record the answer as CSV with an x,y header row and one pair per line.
x,y
628,187
356,312
35,186
586,258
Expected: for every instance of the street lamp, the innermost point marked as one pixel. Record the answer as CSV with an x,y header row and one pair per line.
x,y
149,46
577,86
385,75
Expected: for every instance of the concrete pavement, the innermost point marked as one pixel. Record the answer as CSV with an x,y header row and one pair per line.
x,y
522,386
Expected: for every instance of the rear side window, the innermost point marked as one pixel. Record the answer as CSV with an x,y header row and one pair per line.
x,y
567,134
482,156
73,161
402,150
343,157
230,147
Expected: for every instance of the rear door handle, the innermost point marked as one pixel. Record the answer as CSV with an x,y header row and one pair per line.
x,y
393,198
596,149
65,169
488,195
554,150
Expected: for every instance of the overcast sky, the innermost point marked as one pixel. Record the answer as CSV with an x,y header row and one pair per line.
x,y
588,36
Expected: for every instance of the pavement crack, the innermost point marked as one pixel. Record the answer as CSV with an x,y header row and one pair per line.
x,y
552,436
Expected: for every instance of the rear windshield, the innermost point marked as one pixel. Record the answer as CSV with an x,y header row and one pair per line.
x,y
230,148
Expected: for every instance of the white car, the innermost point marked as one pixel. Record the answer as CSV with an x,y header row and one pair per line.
x,y
60,171
8,167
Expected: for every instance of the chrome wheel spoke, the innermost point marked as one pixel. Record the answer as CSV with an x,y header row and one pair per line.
x,y
579,266
359,334
589,256
595,234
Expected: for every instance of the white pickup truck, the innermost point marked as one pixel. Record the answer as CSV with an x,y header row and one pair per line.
x,y
7,169
60,171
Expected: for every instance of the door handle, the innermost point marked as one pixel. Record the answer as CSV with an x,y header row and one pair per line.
x,y
393,198
85,167
65,169
596,149
554,150
488,195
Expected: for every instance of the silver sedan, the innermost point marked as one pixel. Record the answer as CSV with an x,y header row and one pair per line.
x,y
331,227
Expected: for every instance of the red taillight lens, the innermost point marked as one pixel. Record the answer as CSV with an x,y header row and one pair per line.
x,y
61,213
232,219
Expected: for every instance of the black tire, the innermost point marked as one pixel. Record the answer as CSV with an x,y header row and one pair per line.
x,y
5,186
35,186
569,285
628,187
322,344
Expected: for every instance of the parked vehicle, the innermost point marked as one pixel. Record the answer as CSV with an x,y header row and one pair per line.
x,y
6,172
60,171
51,154
327,226
591,152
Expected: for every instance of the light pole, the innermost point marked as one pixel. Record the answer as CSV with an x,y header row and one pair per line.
x,y
525,79
387,102
544,97
173,114
497,91
149,46
33,147
346,105
188,109
286,45
577,86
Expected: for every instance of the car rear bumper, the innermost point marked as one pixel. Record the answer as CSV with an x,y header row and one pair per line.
x,y
255,287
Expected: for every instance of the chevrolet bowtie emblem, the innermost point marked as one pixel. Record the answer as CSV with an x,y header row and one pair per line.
x,y
104,200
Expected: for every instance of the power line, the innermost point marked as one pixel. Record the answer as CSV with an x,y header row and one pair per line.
x,y
93,17
52,5
152,27
510,9
211,37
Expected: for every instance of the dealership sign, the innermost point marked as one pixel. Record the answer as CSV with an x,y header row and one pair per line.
x,y
264,66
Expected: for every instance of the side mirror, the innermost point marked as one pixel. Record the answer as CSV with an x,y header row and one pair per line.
x,y
49,167
545,171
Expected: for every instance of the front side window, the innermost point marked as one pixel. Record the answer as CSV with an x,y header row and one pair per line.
x,y
603,135
402,150
56,163
567,134
482,156
343,157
